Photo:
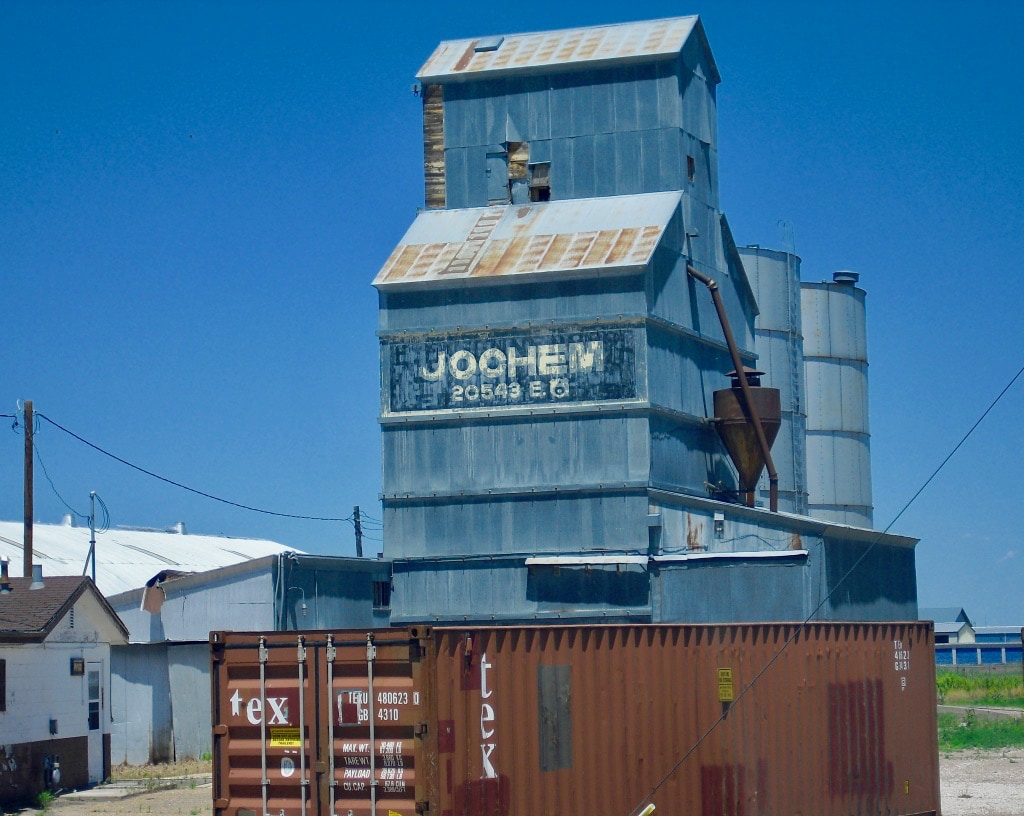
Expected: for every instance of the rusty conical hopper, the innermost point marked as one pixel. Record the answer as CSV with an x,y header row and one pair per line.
x,y
737,430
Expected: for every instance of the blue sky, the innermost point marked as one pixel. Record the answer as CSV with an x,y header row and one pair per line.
x,y
194,198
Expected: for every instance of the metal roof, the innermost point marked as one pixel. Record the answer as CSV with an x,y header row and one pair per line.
x,y
127,559
589,47
554,238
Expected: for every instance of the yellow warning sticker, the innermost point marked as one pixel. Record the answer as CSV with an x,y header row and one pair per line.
x,y
394,813
725,690
285,738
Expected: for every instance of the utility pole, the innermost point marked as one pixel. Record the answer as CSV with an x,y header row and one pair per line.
x,y
359,532
92,532
27,550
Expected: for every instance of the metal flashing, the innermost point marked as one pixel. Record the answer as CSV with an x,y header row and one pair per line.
x,y
729,556
585,560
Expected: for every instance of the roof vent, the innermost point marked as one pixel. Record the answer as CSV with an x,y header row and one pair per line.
x,y
488,44
5,579
37,577
68,520
178,527
846,277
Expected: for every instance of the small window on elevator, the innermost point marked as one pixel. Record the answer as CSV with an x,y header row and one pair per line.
x,y
691,168
540,181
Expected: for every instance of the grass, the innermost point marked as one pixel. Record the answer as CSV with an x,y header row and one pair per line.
x,y
957,733
150,773
987,688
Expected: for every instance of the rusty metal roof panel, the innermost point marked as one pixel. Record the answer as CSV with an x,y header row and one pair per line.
x,y
476,58
555,239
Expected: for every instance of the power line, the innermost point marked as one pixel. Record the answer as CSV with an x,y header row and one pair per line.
x,y
800,627
202,493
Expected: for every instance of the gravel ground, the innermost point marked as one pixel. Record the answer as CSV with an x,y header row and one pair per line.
x,y
974,783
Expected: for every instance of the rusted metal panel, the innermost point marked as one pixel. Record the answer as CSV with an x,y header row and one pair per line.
x,y
555,238
433,145
743,719
458,59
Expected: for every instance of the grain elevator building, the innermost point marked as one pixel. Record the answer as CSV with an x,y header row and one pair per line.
x,y
550,349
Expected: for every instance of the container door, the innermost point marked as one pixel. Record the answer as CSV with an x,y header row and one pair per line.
x,y
94,677
375,727
332,734
264,707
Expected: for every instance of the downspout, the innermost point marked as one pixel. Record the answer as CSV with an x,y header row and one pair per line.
x,y
734,352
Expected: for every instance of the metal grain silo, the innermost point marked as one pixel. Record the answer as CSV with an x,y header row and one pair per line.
x,y
836,370
778,340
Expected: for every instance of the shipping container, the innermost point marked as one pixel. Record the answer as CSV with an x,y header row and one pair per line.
x,y
730,720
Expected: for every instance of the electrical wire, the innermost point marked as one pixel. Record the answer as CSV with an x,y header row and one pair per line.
x,y
53,487
197,492
801,626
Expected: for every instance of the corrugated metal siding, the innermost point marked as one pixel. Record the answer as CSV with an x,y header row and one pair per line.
x,y
246,602
188,670
838,440
140,705
882,587
775,279
534,454
580,720
433,146
867,740
574,47
527,523
506,591
580,302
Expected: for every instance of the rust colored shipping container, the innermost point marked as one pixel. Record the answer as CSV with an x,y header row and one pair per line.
x,y
729,720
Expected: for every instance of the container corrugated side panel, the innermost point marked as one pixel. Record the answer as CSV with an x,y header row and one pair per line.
x,y
600,719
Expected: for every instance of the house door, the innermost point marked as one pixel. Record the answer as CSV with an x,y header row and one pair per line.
x,y
94,675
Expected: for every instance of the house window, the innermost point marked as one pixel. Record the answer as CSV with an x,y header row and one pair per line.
x,y
381,594
540,181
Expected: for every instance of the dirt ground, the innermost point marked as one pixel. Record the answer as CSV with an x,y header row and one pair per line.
x,y
974,783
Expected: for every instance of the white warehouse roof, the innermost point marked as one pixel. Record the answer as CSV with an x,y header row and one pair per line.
x,y
127,559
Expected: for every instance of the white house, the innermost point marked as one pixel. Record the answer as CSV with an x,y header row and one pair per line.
x,y
55,639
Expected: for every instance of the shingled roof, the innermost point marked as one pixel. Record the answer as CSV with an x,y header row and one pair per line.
x,y
29,615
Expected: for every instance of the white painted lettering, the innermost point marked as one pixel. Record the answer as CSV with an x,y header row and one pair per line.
x,y
527,361
278,710
536,389
551,360
236,703
254,711
486,717
486,750
484,666
586,356
492,363
462,365
438,372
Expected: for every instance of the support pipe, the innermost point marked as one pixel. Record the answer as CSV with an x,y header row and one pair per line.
x,y
734,352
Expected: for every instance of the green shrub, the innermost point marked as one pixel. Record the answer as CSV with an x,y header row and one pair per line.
x,y
956,733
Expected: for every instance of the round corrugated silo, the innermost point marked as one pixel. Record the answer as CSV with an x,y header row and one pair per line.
x,y
778,340
836,369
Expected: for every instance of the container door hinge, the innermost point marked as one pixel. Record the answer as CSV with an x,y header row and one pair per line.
x,y
220,730
421,730
422,807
